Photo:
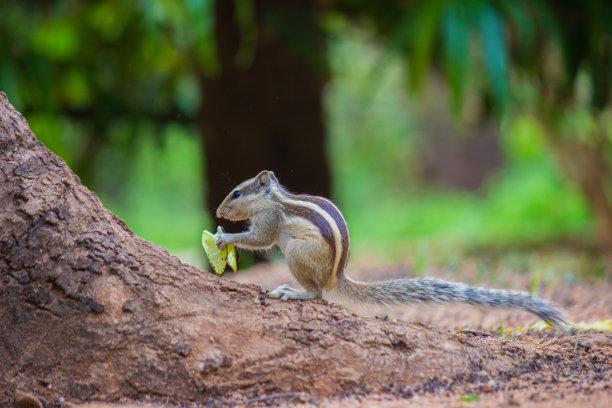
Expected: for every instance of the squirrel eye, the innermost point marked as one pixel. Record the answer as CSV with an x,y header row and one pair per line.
x,y
236,194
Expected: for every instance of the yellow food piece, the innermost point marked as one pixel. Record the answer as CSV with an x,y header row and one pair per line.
x,y
218,258
604,325
600,325
231,257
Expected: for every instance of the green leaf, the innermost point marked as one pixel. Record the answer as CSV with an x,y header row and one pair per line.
x,y
201,20
108,20
9,83
57,39
522,18
245,18
423,26
455,46
187,93
76,88
413,34
495,53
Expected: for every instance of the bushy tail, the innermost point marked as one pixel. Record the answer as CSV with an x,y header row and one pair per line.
x,y
438,290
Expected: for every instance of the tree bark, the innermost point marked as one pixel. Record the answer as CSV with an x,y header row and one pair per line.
x,y
264,112
90,311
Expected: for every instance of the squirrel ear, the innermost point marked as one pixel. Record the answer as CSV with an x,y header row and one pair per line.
x,y
263,178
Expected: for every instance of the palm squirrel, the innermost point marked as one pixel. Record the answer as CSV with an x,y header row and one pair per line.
x,y
314,238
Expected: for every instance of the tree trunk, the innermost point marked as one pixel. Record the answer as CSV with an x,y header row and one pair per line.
x,y
263,110
88,310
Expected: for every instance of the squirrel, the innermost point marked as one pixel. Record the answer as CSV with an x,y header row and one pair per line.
x,y
313,235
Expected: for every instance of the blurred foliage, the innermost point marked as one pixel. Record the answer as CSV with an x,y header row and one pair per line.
x,y
551,60
479,43
113,86
81,71
528,201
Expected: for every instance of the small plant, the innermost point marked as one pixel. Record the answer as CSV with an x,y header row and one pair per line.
x,y
470,397
534,283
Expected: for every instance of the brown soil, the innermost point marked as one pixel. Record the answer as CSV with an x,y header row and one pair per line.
x,y
90,312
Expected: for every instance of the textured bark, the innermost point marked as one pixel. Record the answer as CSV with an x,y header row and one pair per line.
x,y
90,311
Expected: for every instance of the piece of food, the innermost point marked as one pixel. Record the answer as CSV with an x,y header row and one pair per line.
x,y
604,325
231,257
218,258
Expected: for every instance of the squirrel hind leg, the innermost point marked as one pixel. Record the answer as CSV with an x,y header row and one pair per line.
x,y
285,292
309,263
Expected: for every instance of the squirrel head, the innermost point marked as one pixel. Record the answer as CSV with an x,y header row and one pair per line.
x,y
245,199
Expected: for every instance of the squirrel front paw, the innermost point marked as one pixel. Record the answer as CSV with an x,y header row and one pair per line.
x,y
222,240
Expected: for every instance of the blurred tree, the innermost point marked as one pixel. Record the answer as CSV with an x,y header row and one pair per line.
x,y
263,110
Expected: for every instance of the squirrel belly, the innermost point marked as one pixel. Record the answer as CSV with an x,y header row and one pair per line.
x,y
314,238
